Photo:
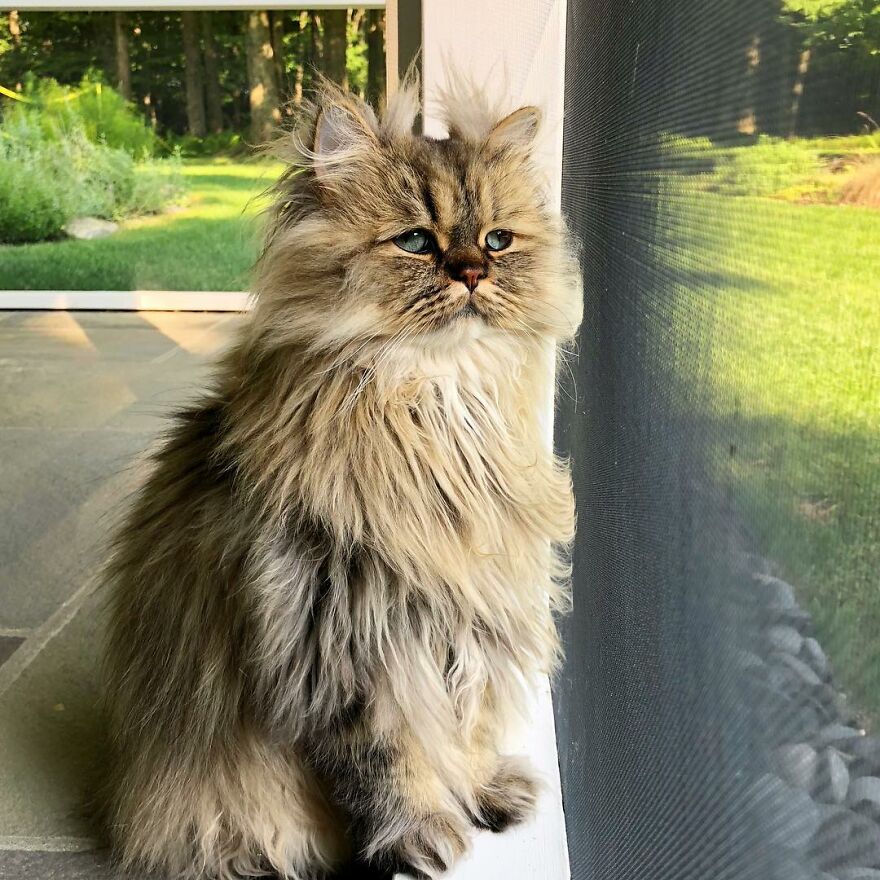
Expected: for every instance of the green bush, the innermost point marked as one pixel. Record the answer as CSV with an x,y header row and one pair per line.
x,y
97,110
53,172
30,207
765,168
224,143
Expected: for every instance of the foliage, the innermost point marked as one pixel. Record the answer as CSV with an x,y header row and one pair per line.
x,y
843,23
91,107
764,168
223,143
30,207
53,171
65,45
356,54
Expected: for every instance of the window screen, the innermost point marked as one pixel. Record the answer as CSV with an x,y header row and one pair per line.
x,y
717,712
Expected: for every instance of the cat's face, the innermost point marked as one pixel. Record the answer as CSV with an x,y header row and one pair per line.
x,y
387,234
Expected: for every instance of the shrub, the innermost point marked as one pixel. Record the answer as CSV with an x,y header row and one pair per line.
x,y
687,155
765,168
224,143
52,173
97,110
30,207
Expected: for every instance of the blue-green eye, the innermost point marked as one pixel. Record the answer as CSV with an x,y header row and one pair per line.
x,y
415,241
498,239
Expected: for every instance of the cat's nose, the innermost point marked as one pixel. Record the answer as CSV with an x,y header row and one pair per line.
x,y
470,274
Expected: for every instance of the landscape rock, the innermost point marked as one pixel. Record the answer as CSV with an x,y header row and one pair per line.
x,y
803,670
798,765
832,777
786,639
845,840
864,794
87,228
838,735
812,653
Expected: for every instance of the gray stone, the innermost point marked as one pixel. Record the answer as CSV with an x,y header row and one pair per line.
x,y
858,874
812,653
801,669
87,228
838,735
777,592
832,777
866,754
789,815
784,638
865,788
797,765
845,840
748,661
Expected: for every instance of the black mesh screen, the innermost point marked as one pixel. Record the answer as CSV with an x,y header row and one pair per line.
x,y
716,712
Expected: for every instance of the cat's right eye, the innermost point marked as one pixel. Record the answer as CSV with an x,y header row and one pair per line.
x,y
415,241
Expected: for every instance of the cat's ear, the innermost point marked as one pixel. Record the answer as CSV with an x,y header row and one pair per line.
x,y
519,129
341,132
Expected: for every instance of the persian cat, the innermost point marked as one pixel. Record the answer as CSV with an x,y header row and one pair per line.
x,y
338,582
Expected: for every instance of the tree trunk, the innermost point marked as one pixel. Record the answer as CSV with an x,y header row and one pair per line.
x,y
748,113
123,66
797,91
335,43
213,92
376,57
15,27
315,49
276,20
261,77
195,81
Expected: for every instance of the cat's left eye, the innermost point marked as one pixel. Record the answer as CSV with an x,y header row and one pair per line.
x,y
498,239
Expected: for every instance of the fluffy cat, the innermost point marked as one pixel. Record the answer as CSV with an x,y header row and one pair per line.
x,y
339,579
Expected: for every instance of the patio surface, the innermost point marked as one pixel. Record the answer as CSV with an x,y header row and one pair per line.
x,y
82,396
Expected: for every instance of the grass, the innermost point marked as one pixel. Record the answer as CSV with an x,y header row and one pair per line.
x,y
790,306
209,244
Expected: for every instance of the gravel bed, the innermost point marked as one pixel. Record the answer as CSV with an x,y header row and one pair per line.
x,y
821,794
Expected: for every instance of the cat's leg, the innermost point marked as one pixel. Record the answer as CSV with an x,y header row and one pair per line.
x,y
404,814
505,788
250,809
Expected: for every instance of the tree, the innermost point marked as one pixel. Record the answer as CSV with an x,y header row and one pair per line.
x,y
123,65
375,56
265,114
195,80
14,27
276,22
847,24
213,91
335,43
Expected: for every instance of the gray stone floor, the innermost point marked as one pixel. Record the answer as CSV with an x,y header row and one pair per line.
x,y
82,396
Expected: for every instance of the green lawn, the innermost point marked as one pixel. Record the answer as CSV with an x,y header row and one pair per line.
x,y
790,309
208,244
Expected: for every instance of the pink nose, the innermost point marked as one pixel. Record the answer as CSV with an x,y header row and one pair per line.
x,y
471,277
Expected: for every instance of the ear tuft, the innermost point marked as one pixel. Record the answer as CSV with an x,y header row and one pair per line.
x,y
519,129
340,132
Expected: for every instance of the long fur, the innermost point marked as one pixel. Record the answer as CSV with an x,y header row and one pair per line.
x,y
330,594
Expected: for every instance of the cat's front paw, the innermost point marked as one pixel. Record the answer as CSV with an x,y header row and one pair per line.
x,y
509,798
427,849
